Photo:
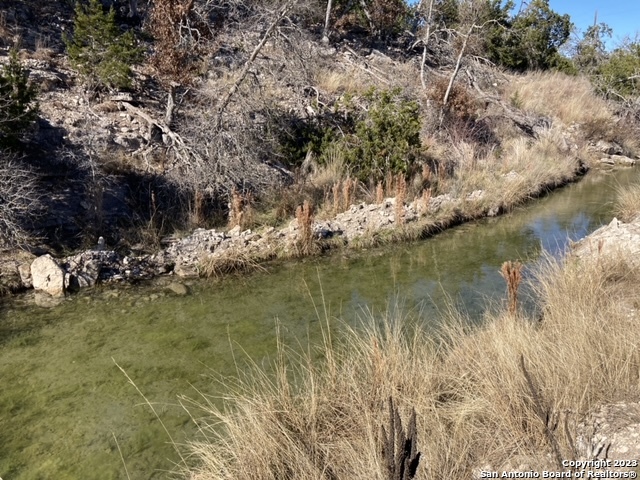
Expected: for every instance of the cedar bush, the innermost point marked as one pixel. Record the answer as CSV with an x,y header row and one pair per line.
x,y
378,134
99,50
386,139
18,100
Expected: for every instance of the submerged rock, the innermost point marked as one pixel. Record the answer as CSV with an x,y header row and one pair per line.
x,y
178,288
45,300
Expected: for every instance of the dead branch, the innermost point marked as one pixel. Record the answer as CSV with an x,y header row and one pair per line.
x,y
175,142
227,98
425,42
459,59
399,447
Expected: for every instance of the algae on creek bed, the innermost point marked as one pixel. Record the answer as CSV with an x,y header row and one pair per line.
x,y
63,398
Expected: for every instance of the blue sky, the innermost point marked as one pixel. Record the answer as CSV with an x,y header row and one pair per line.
x,y
623,16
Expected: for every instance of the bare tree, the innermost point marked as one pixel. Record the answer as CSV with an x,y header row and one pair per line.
x,y
19,199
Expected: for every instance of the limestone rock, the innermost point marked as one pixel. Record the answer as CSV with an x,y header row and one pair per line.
x,y
47,276
612,432
615,240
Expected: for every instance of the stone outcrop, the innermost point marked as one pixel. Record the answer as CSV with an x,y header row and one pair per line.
x,y
611,433
620,160
613,241
47,276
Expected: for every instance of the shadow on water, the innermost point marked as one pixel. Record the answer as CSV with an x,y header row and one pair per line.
x,y
63,397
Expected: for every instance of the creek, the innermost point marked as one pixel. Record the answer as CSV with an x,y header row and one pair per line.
x,y
67,410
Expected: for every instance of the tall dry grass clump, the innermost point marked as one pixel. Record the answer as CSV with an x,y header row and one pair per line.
x,y
230,261
571,99
488,395
627,205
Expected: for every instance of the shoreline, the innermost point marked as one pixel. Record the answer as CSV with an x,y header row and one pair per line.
x,y
218,253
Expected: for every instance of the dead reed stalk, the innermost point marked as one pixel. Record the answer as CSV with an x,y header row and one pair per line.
x,y
401,195
337,203
426,174
197,213
304,241
379,193
424,201
236,209
512,273
348,191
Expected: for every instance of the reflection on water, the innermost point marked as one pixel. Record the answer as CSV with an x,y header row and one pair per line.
x,y
63,398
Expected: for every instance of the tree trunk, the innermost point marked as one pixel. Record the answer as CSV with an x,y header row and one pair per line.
x,y
372,25
325,31
425,42
171,104
457,68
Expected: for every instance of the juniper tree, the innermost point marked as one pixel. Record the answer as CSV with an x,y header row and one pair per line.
x,y
99,50
18,100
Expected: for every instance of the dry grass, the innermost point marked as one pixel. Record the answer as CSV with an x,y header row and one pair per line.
x,y
339,81
512,175
230,261
566,98
401,196
332,171
478,392
627,205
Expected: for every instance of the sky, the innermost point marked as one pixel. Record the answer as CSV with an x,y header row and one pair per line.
x,y
623,16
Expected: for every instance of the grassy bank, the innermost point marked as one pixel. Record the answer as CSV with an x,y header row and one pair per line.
x,y
507,394
480,175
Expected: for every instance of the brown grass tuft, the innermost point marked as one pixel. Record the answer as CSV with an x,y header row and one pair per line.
x,y
567,98
305,244
231,261
401,196
512,274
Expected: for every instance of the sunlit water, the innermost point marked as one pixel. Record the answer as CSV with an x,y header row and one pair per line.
x,y
66,408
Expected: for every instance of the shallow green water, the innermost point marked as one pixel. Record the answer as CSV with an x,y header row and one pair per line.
x,y
63,399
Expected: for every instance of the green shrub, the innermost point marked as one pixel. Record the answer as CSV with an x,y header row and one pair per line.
x,y
619,77
18,100
380,136
98,50
386,139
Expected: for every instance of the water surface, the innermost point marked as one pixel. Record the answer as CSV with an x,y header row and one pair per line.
x,y
64,402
